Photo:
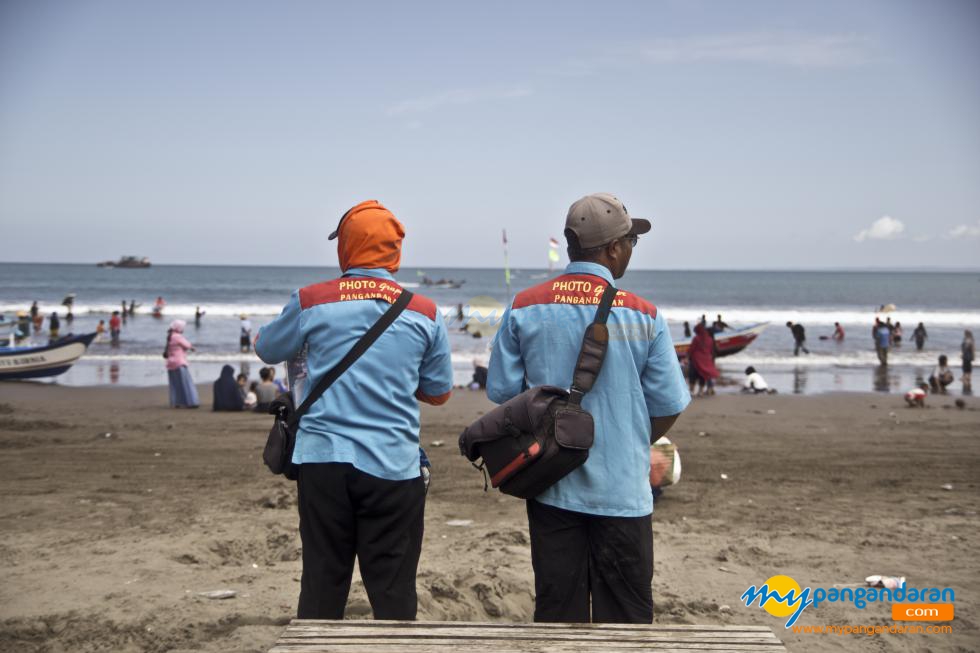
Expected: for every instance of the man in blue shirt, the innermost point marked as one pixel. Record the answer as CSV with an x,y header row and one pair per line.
x,y
360,488
591,532
883,339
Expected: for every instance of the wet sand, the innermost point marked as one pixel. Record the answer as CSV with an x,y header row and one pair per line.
x,y
106,541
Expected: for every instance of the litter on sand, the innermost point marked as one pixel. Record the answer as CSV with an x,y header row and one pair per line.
x,y
724,477
219,594
459,522
947,486
888,582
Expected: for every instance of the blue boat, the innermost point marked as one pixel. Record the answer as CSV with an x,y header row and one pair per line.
x,y
48,360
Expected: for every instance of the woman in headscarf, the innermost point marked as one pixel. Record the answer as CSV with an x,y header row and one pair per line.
x,y
701,360
183,394
968,352
227,392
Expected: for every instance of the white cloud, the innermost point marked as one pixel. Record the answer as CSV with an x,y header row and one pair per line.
x,y
788,49
965,231
457,97
884,228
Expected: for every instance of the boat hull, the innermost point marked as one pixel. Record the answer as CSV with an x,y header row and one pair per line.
x,y
39,362
727,344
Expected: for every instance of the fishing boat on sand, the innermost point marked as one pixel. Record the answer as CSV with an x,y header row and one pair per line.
x,y
727,343
33,362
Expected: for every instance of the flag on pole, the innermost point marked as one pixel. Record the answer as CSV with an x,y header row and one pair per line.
x,y
553,256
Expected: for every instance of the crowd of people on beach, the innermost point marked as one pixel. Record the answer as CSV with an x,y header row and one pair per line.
x,y
702,371
32,321
230,392
237,393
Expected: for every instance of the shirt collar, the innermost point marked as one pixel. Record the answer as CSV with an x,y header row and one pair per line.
x,y
376,273
587,267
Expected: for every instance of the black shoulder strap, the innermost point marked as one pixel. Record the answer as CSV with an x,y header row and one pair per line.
x,y
359,348
593,351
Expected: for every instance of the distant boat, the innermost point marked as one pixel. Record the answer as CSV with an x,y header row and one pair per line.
x,y
446,284
126,262
727,343
48,360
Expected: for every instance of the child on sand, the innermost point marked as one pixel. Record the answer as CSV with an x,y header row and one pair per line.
x,y
754,383
251,398
916,397
941,377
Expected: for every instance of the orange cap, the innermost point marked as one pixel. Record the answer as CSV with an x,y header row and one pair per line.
x,y
369,236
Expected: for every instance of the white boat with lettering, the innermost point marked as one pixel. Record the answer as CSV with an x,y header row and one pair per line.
x,y
32,362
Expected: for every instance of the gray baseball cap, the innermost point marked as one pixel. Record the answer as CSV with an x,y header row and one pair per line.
x,y
601,218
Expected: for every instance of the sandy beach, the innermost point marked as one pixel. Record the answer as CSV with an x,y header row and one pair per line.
x,y
119,512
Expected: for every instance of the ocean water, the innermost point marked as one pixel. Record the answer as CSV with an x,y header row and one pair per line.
x,y
946,302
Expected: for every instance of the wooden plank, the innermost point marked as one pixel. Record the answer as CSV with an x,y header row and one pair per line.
x,y
346,641
411,625
535,647
523,632
360,636
521,636
488,632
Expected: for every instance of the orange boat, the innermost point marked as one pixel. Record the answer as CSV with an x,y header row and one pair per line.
x,y
727,342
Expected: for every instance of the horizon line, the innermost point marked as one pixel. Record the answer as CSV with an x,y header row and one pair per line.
x,y
557,270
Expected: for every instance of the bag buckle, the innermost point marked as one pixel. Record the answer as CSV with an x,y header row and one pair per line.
x,y
482,468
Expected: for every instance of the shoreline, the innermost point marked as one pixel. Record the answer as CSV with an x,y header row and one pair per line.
x,y
806,378
107,541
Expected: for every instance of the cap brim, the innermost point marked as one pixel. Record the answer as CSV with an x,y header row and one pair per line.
x,y
333,236
640,226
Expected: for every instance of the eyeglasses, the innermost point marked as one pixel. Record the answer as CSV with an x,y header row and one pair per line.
x,y
633,239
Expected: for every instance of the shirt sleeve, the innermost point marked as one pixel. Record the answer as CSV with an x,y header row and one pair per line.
x,y
436,371
663,383
505,375
282,338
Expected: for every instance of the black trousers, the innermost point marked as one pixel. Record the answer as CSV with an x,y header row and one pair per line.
x,y
344,513
589,568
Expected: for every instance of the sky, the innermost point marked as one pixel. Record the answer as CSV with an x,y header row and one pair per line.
x,y
753,134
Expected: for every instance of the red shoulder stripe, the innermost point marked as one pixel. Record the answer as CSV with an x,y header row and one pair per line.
x,y
627,299
580,289
423,305
347,289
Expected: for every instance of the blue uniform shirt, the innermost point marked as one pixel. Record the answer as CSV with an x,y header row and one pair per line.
x,y
369,417
884,336
538,344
